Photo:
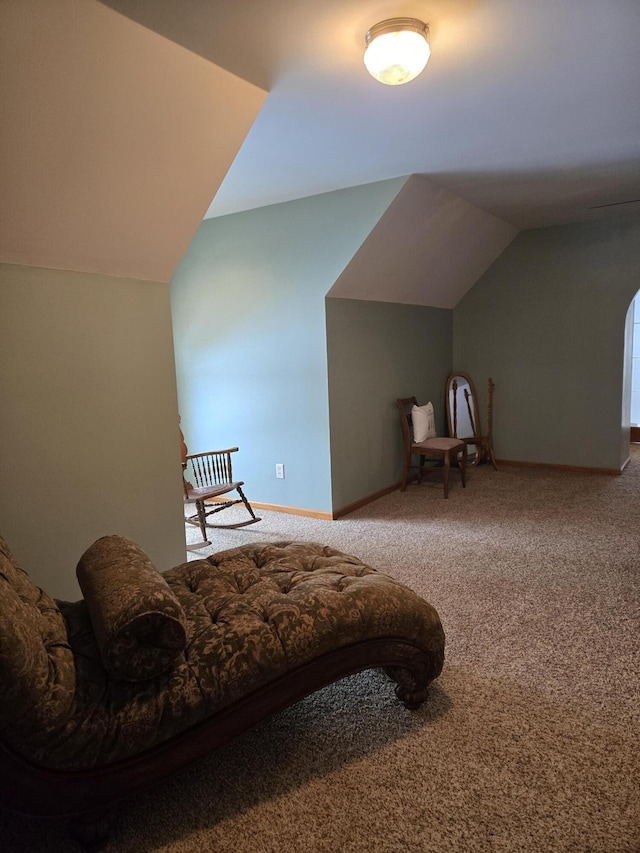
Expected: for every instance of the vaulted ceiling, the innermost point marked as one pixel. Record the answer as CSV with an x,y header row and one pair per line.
x,y
127,121
528,109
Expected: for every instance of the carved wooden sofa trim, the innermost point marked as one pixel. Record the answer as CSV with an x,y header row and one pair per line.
x,y
103,697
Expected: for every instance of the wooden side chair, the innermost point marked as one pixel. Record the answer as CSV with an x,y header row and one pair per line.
x,y
433,448
206,477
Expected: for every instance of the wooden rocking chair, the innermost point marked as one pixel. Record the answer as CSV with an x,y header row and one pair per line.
x,y
206,477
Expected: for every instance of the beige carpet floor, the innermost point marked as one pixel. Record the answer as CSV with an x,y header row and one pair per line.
x,y
530,740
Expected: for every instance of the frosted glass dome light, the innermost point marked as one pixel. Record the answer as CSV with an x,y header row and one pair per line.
x,y
397,50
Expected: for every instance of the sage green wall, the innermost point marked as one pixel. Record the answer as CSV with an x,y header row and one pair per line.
x,y
88,426
250,339
547,322
377,352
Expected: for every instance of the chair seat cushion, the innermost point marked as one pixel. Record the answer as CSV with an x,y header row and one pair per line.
x,y
201,493
439,445
252,614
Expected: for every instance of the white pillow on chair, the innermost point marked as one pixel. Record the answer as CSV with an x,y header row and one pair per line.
x,y
424,424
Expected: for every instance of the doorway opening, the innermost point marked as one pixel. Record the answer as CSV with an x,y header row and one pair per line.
x,y
635,371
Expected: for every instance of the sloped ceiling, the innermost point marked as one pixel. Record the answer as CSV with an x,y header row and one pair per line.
x,y
528,109
113,139
429,248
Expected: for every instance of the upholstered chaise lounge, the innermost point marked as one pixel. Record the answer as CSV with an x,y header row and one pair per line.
x,y
102,697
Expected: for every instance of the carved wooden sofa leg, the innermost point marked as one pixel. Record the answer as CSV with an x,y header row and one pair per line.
x,y
92,829
409,691
412,686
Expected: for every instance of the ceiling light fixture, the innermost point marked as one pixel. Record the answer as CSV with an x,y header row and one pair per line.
x,y
397,50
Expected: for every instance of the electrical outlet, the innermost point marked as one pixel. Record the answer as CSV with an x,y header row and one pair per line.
x,y
280,470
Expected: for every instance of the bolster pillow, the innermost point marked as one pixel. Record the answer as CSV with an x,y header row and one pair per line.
x,y
138,622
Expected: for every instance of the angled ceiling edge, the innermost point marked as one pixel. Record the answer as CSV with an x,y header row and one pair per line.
x,y
428,248
114,140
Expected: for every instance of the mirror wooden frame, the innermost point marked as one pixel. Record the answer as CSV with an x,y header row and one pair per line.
x,y
479,446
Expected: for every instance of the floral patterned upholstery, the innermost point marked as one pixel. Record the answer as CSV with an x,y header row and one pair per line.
x,y
140,634
252,614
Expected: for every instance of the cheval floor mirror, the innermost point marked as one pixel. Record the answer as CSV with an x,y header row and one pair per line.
x,y
463,418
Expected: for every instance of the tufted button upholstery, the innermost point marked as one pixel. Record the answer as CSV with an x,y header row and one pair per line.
x,y
37,674
252,614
